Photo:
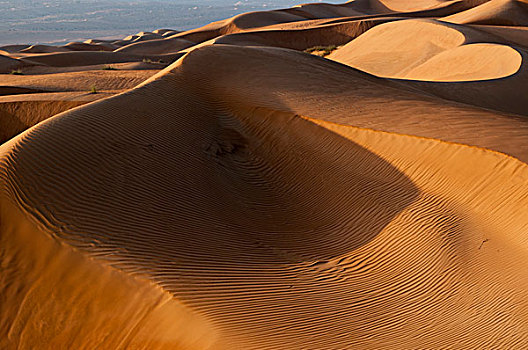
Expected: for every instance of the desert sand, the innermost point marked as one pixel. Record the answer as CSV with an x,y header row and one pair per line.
x,y
229,188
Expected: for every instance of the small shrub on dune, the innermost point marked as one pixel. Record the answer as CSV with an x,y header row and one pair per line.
x,y
149,61
93,89
17,72
321,50
109,68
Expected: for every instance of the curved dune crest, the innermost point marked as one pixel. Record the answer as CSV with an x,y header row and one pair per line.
x,y
401,6
301,38
393,49
469,62
43,49
428,50
156,47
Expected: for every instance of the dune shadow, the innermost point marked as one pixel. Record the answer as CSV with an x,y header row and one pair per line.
x,y
10,125
184,177
254,184
324,194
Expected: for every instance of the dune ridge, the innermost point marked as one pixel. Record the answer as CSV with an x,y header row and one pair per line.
x,y
495,12
439,53
244,194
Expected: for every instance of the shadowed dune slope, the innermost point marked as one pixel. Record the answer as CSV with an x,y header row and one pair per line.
x,y
76,46
16,117
243,213
15,90
86,58
513,35
8,64
301,39
43,49
494,12
156,47
28,99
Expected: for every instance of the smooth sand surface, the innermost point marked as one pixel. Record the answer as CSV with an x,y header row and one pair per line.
x,y
245,194
429,50
476,64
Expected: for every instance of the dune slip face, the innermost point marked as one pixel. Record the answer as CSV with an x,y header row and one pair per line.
x,y
227,188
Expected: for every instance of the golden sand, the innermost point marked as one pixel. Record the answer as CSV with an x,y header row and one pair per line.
x,y
221,188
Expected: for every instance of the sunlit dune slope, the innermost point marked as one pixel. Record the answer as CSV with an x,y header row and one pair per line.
x,y
481,62
255,221
469,64
117,79
429,50
41,277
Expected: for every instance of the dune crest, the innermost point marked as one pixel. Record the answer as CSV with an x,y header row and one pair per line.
x,y
469,62
438,52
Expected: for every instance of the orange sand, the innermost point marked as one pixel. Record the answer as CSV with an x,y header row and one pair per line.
x,y
223,189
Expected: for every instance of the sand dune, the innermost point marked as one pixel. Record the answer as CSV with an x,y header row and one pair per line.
x,y
495,12
52,95
304,38
165,32
469,62
16,90
490,70
8,64
76,46
16,117
80,81
513,35
13,48
254,196
43,49
354,10
156,46
438,52
85,58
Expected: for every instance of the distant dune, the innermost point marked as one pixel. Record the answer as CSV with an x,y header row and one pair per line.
x,y
348,176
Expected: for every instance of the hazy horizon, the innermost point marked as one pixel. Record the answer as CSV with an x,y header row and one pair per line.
x,y
60,21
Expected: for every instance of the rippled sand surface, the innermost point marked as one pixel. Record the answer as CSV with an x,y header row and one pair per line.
x,y
345,176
